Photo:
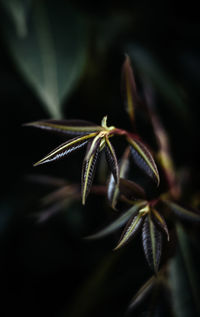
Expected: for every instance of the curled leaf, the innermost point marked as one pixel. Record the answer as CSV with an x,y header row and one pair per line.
x,y
112,160
65,148
119,222
160,221
182,212
66,127
129,88
88,170
113,188
152,242
143,158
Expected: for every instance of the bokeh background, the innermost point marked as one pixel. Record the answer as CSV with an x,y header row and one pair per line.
x,y
63,59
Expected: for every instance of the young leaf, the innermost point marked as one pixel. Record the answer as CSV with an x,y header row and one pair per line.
x,y
182,212
130,230
142,293
112,160
64,149
129,88
152,241
160,221
113,188
143,158
88,170
66,127
119,222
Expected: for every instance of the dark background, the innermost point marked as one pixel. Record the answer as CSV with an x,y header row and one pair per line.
x,y
47,269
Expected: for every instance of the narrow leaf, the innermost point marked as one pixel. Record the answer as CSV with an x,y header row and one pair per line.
x,y
113,188
88,170
119,222
65,148
66,127
152,242
182,212
160,221
129,88
112,160
142,293
143,158
130,230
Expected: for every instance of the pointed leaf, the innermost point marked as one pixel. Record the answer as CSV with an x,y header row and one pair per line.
x,y
130,230
160,221
131,190
112,160
64,149
52,61
119,222
182,212
66,127
88,171
113,188
143,158
142,293
129,88
152,242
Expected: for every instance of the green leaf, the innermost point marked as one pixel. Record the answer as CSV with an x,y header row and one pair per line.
x,y
52,54
152,242
183,213
112,160
65,148
160,221
88,170
143,158
113,188
66,127
119,222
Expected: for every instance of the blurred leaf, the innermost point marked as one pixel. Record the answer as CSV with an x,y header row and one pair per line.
x,y
52,54
151,70
119,222
184,280
183,213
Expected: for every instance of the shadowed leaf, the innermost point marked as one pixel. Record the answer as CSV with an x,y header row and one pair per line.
x,y
129,88
130,230
131,190
66,127
143,158
113,188
112,160
88,171
119,222
152,242
64,149
142,293
182,212
160,221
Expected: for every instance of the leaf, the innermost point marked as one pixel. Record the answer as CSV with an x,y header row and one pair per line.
x,y
131,190
65,148
152,242
160,221
113,188
182,212
119,222
130,230
129,88
53,53
88,170
142,293
143,158
66,127
112,160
